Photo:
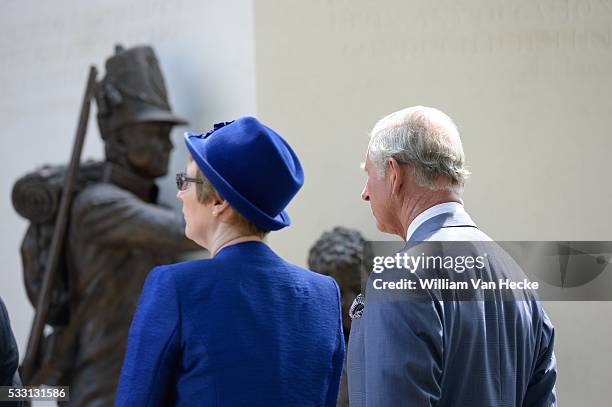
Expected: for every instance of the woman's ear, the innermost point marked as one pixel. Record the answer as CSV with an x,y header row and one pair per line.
x,y
219,206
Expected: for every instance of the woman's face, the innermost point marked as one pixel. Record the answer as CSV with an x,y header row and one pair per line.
x,y
198,216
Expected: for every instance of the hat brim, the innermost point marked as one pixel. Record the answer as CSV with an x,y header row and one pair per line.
x,y
162,116
238,202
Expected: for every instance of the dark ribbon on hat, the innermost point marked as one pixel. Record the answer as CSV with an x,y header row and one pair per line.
x,y
216,127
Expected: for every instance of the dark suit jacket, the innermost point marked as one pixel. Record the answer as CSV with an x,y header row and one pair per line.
x,y
244,328
9,356
448,351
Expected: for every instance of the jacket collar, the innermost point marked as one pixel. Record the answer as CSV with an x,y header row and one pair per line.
x,y
453,217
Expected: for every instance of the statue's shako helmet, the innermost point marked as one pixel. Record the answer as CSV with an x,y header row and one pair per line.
x,y
133,91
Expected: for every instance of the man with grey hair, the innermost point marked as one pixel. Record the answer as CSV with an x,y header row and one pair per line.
x,y
432,350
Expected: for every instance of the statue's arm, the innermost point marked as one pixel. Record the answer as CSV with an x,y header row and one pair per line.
x,y
108,214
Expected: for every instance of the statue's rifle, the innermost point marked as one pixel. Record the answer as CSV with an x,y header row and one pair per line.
x,y
31,358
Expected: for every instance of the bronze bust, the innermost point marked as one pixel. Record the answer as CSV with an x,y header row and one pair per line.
x,y
339,253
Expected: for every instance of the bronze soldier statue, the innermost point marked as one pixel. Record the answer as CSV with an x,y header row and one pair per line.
x,y
116,233
339,253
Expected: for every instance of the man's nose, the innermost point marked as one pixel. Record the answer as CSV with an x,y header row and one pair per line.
x,y
364,194
169,145
166,145
163,140
179,195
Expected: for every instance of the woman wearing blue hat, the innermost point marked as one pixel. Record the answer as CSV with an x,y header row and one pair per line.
x,y
245,327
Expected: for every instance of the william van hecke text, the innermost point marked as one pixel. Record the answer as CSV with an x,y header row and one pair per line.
x,y
447,284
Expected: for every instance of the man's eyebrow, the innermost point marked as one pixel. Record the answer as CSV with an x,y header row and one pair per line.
x,y
363,166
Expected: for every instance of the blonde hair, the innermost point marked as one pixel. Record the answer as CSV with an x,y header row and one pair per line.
x,y
206,193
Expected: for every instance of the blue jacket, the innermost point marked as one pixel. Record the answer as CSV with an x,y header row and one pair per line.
x,y
244,328
492,353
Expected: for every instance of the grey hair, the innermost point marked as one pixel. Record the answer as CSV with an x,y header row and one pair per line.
x,y
424,138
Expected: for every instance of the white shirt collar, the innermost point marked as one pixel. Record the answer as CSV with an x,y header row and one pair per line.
x,y
430,213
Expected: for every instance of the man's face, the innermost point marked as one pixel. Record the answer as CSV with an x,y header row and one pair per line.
x,y
148,148
378,192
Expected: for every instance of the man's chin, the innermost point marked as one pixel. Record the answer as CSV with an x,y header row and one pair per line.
x,y
384,229
151,174
159,173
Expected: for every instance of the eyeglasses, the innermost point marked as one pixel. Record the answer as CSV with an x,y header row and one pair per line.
x,y
182,181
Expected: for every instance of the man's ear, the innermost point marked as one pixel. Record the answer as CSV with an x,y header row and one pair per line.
x,y
120,141
115,147
396,176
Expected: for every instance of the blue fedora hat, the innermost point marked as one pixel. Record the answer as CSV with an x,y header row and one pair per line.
x,y
252,167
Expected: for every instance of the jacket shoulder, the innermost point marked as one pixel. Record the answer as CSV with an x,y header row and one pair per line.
x,y
464,233
187,268
103,191
99,197
312,277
